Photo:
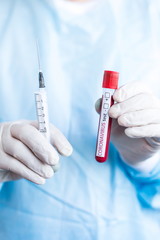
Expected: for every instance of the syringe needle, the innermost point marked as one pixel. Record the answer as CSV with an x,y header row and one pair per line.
x,y
38,55
41,78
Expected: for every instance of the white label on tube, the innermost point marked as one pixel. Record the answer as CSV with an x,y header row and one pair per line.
x,y
104,121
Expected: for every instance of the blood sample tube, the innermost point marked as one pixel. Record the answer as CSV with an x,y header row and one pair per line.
x,y
109,85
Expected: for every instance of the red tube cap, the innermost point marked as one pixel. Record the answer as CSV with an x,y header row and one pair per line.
x,y
110,79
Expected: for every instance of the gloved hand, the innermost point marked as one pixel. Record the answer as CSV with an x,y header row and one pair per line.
x,y
25,152
136,125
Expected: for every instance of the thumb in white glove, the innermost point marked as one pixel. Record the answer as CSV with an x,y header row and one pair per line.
x,y
25,153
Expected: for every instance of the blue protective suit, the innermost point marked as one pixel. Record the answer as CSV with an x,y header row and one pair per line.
x,y
85,200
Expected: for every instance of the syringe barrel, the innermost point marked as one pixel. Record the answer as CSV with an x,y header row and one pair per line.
x,y
42,112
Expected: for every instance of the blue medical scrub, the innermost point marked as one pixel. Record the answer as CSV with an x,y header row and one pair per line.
x,y
85,200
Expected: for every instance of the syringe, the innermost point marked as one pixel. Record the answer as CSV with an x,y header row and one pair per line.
x,y
41,103
42,108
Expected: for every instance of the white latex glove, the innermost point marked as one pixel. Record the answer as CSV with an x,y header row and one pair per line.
x,y
25,152
136,125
